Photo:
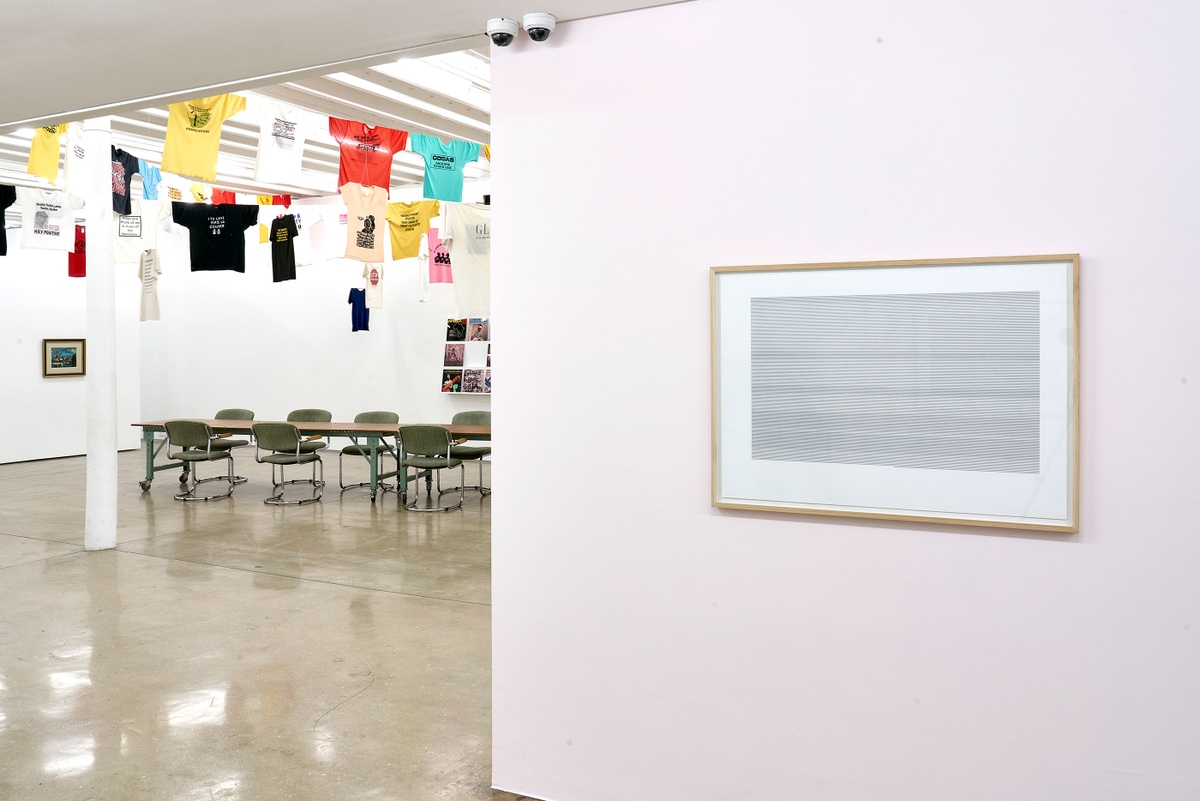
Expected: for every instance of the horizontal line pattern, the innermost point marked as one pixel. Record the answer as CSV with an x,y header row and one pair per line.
x,y
939,381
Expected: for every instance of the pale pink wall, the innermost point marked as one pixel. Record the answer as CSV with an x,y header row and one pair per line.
x,y
649,647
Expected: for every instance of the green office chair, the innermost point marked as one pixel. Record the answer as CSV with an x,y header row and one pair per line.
x,y
469,453
314,443
281,442
427,448
195,443
360,449
224,441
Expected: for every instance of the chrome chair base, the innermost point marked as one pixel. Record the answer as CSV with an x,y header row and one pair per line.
x,y
383,485
318,486
412,506
193,483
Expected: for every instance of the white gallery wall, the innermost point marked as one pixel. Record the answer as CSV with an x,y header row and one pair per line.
x,y
240,340
47,417
648,646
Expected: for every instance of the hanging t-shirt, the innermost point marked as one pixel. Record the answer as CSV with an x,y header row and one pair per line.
x,y
366,152
194,134
149,271
8,196
468,233
444,162
440,271
217,239
366,208
137,231
48,218
283,248
487,152
281,133
373,274
77,258
124,167
360,316
151,178
43,151
406,222
74,177
220,196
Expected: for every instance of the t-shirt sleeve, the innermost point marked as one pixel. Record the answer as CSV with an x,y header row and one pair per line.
x,y
470,152
399,140
418,143
337,128
234,104
293,231
179,213
249,216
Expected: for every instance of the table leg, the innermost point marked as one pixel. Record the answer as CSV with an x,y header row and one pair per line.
x,y
148,438
374,443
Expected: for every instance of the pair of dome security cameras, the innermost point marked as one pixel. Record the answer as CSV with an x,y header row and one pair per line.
x,y
503,30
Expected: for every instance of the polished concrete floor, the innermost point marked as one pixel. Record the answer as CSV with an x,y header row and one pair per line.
x,y
232,650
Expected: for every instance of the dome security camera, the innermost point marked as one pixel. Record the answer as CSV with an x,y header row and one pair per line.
x,y
539,25
502,31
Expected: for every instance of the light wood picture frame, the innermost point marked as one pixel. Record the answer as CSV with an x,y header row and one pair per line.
x,y
940,390
64,357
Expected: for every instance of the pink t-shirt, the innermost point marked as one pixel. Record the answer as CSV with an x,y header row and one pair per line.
x,y
439,260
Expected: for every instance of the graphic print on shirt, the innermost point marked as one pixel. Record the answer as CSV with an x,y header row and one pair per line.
x,y
365,237
41,220
198,117
373,276
284,132
129,226
118,178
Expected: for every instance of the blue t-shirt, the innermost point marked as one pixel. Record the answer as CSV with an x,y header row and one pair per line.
x,y
444,164
151,178
360,315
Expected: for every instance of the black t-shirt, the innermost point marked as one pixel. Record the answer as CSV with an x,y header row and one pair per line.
x,y
283,250
217,240
8,196
123,168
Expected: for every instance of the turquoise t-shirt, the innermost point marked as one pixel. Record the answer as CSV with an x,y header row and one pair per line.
x,y
444,164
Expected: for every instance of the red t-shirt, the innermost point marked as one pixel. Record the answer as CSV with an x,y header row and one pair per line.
x,y
366,152
77,259
220,196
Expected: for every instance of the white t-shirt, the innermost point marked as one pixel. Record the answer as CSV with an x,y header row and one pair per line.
x,y
138,232
281,135
467,235
47,218
150,271
73,175
373,273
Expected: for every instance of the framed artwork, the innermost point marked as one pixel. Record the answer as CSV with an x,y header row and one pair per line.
x,y
63,357
944,390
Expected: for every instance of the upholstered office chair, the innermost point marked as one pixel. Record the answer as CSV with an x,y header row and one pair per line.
x,y
427,448
194,441
225,441
360,448
314,443
470,453
278,444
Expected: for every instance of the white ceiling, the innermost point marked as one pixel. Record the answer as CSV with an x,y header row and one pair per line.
x,y
417,65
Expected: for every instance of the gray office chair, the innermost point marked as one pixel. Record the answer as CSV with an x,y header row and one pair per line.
x,y
360,449
426,449
469,453
225,441
281,443
194,441
314,443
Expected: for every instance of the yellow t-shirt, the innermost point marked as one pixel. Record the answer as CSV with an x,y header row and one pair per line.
x,y
487,152
194,134
43,151
407,221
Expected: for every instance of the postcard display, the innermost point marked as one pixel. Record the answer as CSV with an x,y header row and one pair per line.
x,y
467,360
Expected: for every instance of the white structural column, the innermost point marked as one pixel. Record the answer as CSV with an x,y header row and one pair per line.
x,y
100,527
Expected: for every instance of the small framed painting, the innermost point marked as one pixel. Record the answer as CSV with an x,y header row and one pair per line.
x,y
62,357
944,390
